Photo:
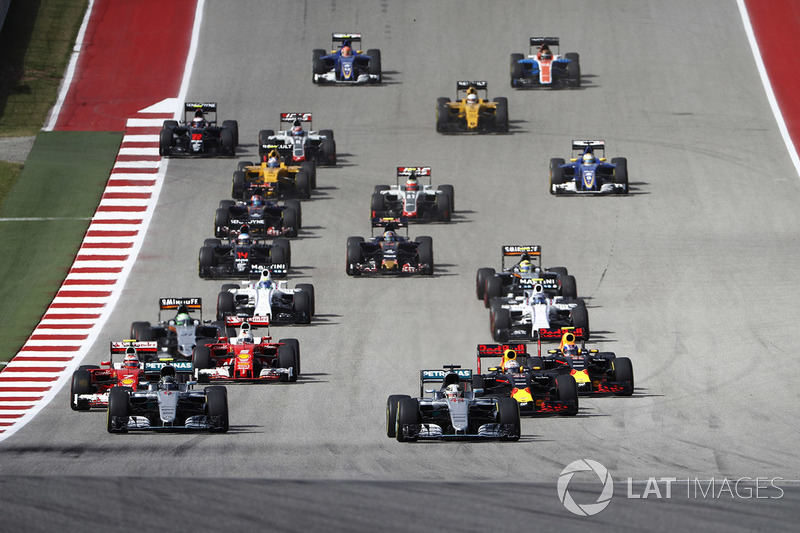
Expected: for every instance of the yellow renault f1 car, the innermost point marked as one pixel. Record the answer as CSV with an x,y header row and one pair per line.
x,y
472,112
273,179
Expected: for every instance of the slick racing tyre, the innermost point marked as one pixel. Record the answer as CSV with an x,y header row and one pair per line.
x,y
354,256
621,172
289,358
308,288
516,69
623,372
501,117
375,64
500,322
118,410
81,384
217,408
567,390
480,281
226,305
442,115
391,414
508,413
425,252
407,413
296,345
573,69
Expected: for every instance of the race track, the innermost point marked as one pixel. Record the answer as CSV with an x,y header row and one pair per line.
x,y
694,275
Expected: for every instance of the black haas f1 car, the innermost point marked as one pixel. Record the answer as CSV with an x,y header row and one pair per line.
x,y
472,112
346,64
247,358
177,336
273,178
533,316
453,411
389,253
537,389
545,68
421,204
198,135
588,172
137,363
243,257
264,219
166,405
297,144
595,372
266,302
526,273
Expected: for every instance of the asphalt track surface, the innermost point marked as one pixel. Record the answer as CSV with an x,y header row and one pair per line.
x,y
694,276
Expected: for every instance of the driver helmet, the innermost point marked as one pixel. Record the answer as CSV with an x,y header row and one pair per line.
x,y
168,383
198,121
257,201
182,319
525,267
347,51
243,239
539,298
511,366
547,54
472,98
571,350
131,360
451,391
297,128
245,336
266,280
273,162
390,236
589,159
412,184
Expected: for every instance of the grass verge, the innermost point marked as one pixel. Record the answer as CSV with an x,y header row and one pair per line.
x,y
43,222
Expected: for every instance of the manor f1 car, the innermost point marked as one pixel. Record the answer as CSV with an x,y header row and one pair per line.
x,y
453,411
243,258
422,204
588,172
389,253
177,337
248,358
472,112
198,135
264,219
91,384
266,302
534,316
347,65
524,274
166,405
544,68
273,179
537,389
297,144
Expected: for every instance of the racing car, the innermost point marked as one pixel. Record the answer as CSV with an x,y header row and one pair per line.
x,y
589,173
198,136
243,257
346,64
472,112
91,384
273,179
389,253
533,316
167,405
537,389
454,411
298,145
527,272
543,68
422,204
266,302
595,372
177,337
247,358
265,219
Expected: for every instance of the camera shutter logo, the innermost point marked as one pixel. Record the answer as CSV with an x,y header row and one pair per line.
x,y
587,509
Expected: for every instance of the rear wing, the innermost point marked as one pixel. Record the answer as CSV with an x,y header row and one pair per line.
x,y
437,376
532,251
300,117
187,305
407,172
539,284
537,42
462,87
254,321
190,108
589,146
144,349
390,223
346,39
498,350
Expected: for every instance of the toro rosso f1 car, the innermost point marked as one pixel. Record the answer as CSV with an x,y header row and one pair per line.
x,y
472,112
422,204
544,68
588,172
198,135
453,411
389,253
524,378
167,405
296,145
346,65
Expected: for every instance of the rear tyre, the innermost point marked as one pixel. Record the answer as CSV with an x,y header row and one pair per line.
x,y
407,413
480,281
226,305
212,242
309,289
391,414
142,331
567,391
217,408
165,142
623,372
242,164
425,251
500,322
81,384
264,141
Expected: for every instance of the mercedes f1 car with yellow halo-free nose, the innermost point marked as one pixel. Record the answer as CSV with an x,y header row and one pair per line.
x,y
452,411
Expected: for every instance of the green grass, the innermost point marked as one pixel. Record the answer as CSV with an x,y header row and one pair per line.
x,y
9,172
63,179
36,42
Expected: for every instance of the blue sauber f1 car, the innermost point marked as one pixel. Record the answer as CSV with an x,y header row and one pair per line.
x,y
588,172
347,65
